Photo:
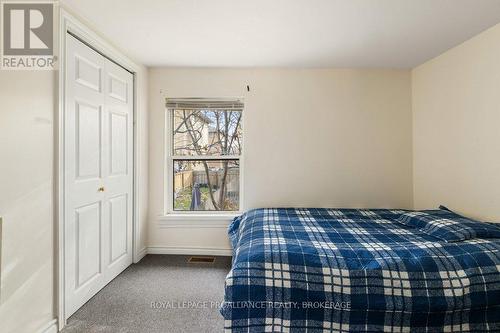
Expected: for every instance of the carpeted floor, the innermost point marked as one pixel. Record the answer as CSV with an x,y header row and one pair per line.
x,y
185,297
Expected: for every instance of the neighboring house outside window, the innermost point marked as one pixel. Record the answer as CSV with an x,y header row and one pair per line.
x,y
203,160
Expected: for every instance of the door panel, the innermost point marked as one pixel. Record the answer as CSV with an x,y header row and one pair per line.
x,y
88,73
118,217
88,141
119,143
98,129
88,243
117,88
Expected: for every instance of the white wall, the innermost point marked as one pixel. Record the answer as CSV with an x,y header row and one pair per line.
x,y
142,127
26,200
313,138
456,117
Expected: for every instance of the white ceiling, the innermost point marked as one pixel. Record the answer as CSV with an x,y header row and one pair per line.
x,y
287,33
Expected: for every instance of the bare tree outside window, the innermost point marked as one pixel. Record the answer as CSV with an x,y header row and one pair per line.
x,y
207,144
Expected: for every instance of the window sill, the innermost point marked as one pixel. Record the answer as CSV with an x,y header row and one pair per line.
x,y
196,220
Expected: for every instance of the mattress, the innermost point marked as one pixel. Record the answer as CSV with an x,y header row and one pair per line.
x,y
352,270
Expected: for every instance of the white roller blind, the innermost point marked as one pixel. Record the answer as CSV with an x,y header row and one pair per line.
x,y
204,104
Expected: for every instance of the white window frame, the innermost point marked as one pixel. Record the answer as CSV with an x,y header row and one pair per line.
x,y
214,217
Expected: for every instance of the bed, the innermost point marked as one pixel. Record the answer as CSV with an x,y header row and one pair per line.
x,y
354,270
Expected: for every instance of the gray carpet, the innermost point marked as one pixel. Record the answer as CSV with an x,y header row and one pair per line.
x,y
124,305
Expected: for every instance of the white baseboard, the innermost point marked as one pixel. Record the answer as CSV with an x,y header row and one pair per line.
x,y
141,254
212,251
51,327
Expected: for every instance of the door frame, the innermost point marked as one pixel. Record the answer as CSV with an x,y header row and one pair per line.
x,y
68,23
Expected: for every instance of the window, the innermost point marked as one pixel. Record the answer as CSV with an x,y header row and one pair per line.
x,y
204,151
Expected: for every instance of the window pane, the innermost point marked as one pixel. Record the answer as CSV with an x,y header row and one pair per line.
x,y
206,132
206,185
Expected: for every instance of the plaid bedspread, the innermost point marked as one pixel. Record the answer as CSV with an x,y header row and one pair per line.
x,y
348,270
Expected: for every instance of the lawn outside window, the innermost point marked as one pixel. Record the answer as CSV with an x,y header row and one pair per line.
x,y
204,149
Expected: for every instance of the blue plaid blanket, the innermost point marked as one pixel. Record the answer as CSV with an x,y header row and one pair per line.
x,y
349,270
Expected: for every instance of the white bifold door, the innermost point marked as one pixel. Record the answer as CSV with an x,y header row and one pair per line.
x,y
98,165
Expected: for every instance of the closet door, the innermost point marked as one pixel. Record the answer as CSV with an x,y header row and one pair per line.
x,y
98,172
118,164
